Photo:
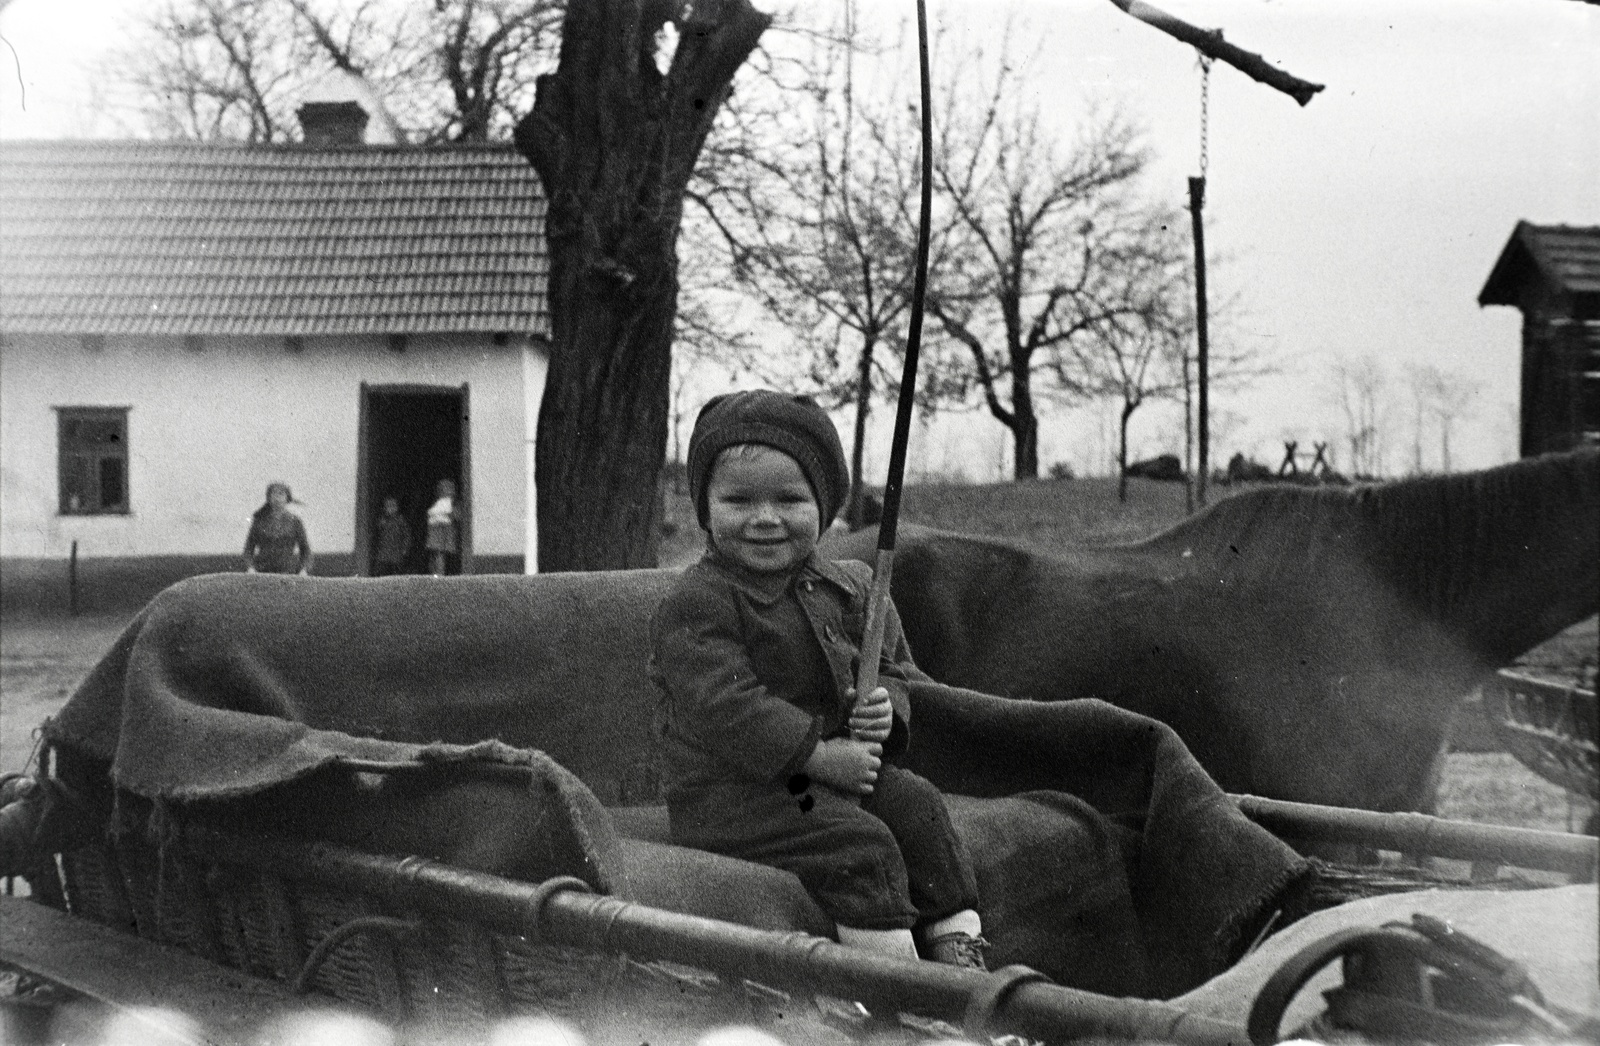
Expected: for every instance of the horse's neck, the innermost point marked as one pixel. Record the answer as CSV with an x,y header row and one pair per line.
x,y
1504,558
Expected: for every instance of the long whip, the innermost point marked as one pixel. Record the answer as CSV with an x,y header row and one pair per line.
x,y
883,568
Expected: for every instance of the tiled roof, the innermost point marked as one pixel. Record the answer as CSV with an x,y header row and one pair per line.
x,y
185,238
1566,256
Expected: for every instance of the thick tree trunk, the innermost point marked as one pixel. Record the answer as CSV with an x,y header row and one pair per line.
x,y
1025,426
599,507
614,141
1122,450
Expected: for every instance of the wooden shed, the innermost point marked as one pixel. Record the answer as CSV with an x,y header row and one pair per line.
x,y
1552,273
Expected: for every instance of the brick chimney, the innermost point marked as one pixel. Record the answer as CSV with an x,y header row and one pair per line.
x,y
333,123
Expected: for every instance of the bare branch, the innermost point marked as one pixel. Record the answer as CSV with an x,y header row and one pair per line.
x,y
446,69
338,53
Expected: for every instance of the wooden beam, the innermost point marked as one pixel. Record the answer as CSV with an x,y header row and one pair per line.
x,y
1210,43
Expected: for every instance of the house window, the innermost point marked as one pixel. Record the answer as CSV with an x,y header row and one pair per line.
x,y
93,454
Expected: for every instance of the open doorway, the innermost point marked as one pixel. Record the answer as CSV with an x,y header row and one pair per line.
x,y
412,436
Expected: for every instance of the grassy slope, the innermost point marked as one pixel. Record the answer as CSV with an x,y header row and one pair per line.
x,y
1042,515
1047,514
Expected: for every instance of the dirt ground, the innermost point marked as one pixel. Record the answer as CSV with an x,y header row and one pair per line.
x,y
43,658
41,661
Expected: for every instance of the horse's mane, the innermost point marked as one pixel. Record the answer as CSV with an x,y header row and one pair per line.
x,y
1432,536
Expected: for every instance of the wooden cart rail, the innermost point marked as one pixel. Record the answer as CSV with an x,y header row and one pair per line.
x,y
563,912
1576,856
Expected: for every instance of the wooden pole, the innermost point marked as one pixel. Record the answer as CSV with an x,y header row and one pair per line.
x,y
1576,856
1188,436
72,581
883,568
1197,201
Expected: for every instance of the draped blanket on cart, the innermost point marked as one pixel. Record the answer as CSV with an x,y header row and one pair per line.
x,y
1107,858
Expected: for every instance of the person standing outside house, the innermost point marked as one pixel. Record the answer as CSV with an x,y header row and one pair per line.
x,y
443,517
277,542
394,541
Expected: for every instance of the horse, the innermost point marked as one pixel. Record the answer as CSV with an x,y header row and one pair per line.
x,y
1308,644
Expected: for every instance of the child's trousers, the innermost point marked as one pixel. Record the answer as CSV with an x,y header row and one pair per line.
x,y
890,861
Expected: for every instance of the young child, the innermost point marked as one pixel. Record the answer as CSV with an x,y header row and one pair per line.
x,y
394,541
442,542
767,755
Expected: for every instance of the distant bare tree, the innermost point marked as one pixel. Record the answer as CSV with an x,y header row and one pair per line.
x,y
218,69
1229,365
1359,385
820,226
1042,240
448,70
1443,397
1141,352
1147,352
1224,424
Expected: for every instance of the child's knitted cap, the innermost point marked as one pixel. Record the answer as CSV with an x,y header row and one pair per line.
x,y
795,425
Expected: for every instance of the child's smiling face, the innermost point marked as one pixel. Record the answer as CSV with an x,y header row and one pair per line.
x,y
761,510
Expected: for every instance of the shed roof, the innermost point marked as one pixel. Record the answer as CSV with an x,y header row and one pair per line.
x,y
1565,256
186,238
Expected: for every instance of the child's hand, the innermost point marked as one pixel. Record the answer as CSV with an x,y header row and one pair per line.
x,y
846,765
871,719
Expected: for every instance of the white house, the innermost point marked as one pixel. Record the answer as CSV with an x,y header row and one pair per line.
x,y
183,323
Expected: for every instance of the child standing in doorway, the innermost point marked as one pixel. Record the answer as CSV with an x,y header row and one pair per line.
x,y
768,755
394,541
442,517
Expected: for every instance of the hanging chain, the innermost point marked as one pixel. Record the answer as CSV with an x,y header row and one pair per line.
x,y
1205,112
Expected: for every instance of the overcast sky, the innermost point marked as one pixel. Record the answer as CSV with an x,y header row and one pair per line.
x,y
1363,223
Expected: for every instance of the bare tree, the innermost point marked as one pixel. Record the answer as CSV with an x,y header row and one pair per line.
x,y
1359,386
1040,245
1228,364
1133,372
456,70
218,69
708,335
1442,397
615,134
1140,351
820,227
1225,424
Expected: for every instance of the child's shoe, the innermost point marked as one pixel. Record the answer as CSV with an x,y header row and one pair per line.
x,y
957,949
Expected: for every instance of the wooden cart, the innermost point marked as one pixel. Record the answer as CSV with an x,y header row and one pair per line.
x,y
232,932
